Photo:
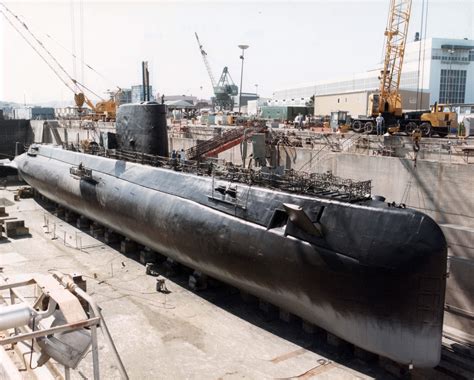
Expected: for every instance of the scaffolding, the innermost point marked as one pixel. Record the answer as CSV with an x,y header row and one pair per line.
x,y
323,185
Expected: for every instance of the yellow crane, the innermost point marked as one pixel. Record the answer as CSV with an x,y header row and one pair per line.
x,y
395,41
104,110
388,100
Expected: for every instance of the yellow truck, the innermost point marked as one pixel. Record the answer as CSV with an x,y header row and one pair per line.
x,y
440,120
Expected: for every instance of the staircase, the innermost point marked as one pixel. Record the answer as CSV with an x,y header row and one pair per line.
x,y
221,143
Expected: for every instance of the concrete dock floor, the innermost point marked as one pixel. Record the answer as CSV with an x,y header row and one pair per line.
x,y
210,334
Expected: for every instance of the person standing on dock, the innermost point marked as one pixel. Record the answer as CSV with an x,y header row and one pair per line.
x,y
300,124
379,120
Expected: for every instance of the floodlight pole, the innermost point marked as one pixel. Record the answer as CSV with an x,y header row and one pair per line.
x,y
243,47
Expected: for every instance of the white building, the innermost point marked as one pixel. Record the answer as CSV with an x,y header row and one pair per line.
x,y
137,93
254,106
442,67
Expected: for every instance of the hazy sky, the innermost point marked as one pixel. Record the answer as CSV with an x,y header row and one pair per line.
x,y
290,42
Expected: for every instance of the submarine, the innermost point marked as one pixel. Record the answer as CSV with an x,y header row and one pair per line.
x,y
370,272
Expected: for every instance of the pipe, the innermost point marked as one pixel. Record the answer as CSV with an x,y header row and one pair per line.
x,y
16,315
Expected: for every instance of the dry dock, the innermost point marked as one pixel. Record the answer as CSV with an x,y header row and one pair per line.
x,y
183,334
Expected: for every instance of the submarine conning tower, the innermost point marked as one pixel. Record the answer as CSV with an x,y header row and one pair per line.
x,y
142,128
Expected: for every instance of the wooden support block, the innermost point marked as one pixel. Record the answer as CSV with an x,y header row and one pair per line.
x,y
96,230
70,216
82,222
128,246
286,316
197,281
148,256
111,237
247,297
308,327
59,212
14,228
364,355
170,268
267,307
396,369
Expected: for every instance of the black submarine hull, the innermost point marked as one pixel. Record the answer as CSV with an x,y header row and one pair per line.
x,y
375,276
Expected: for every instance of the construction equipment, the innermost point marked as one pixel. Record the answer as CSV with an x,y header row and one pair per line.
x,y
58,318
440,120
388,101
105,110
225,88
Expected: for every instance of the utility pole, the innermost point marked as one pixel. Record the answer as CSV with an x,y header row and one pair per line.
x,y
243,47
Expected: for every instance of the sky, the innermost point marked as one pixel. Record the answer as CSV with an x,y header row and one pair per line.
x,y
290,43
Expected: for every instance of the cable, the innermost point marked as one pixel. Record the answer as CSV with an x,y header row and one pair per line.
x,y
38,52
76,82
73,41
78,58
81,31
88,89
69,52
424,49
38,42
419,56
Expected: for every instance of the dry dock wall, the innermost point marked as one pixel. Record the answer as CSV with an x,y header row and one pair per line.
x,y
442,190
11,132
67,131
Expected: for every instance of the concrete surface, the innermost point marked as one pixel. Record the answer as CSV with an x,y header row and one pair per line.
x,y
180,335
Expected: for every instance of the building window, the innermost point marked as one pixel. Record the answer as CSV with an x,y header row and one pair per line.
x,y
452,86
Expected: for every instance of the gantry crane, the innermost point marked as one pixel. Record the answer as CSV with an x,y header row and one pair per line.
x,y
225,88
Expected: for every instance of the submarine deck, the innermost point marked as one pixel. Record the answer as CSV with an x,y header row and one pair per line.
x,y
209,334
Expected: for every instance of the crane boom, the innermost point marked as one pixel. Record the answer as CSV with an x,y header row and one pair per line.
x,y
206,62
395,42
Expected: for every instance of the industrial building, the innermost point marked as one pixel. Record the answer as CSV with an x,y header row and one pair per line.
x,y
446,73
254,107
244,98
125,96
137,93
34,113
187,98
356,103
